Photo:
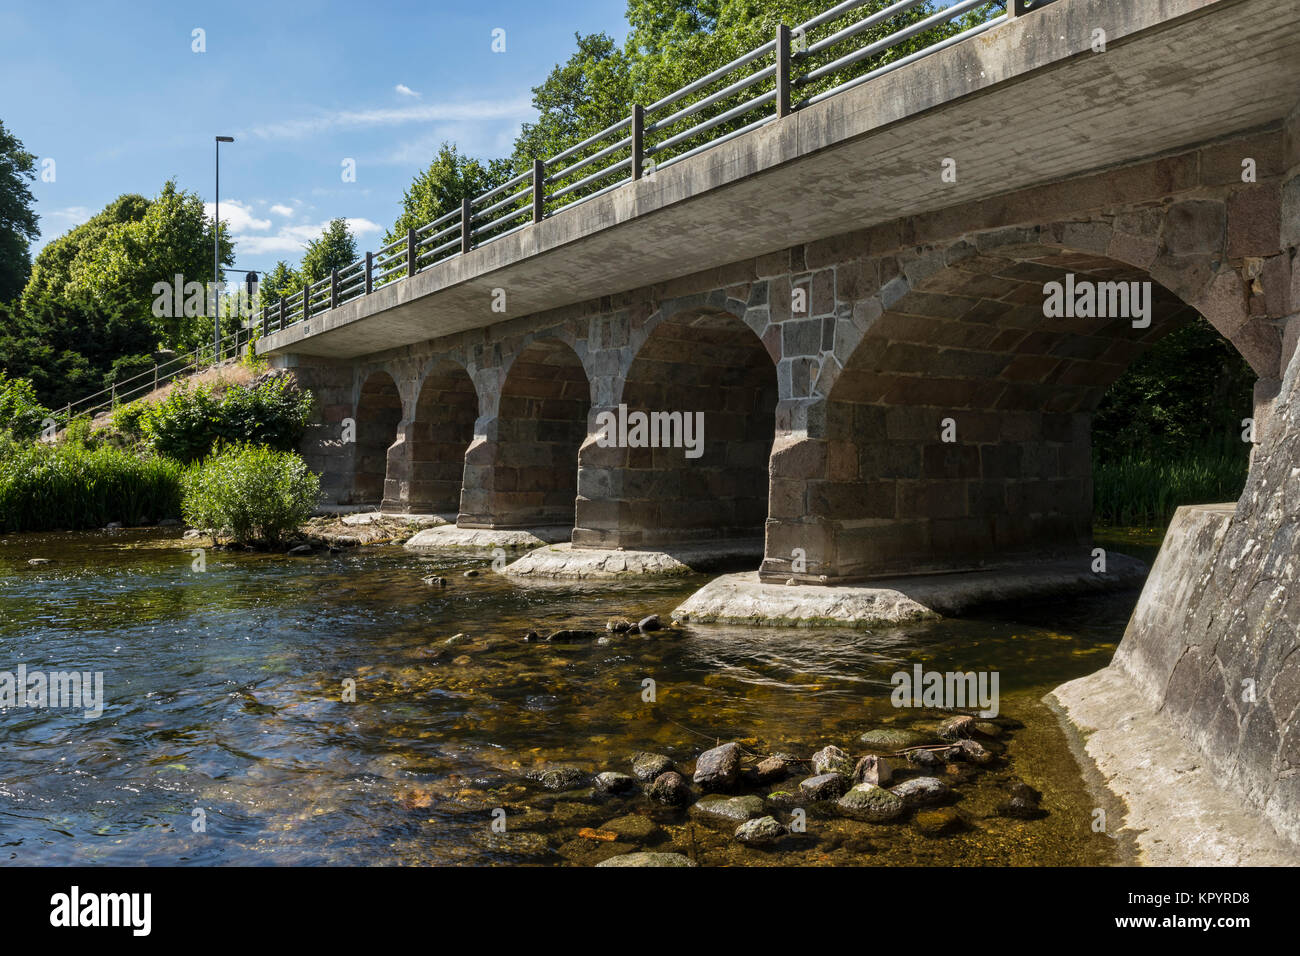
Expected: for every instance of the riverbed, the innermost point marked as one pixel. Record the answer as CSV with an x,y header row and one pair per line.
x,y
229,735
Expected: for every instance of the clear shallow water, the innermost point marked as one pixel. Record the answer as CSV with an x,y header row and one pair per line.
x,y
224,694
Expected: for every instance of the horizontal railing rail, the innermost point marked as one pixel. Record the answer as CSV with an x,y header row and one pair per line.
x,y
163,373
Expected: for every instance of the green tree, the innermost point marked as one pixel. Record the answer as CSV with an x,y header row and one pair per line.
x,y
52,272
590,91
18,222
439,188
172,238
280,281
335,249
1188,394
69,350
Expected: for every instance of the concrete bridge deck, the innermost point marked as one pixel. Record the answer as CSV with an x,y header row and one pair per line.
x,y
1026,103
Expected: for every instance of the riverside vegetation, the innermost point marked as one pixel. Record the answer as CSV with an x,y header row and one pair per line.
x,y
221,455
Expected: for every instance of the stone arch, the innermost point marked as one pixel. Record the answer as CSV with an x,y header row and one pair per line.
x,y
958,335
692,364
426,478
378,414
522,472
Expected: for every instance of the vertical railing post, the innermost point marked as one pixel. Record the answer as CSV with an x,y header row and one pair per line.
x,y
370,272
638,139
281,313
334,288
411,263
539,190
306,301
466,226
266,320
782,70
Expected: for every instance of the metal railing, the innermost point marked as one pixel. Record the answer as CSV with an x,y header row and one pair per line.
x,y
828,54
161,374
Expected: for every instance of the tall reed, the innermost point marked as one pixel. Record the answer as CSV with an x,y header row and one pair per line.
x,y
67,486
1140,489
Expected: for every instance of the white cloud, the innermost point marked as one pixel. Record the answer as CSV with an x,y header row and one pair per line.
x,y
292,240
513,110
68,217
405,90
282,210
238,217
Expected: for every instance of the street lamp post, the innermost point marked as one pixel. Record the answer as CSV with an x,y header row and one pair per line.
x,y
216,255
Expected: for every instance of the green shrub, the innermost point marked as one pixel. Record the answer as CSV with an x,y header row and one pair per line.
x,y
67,486
189,423
249,493
20,412
79,431
128,419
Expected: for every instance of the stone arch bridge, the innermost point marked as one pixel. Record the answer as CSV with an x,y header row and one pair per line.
x,y
836,309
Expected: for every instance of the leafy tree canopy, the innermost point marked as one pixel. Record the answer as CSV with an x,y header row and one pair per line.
x,y
18,221
439,188
335,249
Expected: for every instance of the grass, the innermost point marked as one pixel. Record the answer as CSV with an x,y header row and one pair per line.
x,y
67,487
1142,490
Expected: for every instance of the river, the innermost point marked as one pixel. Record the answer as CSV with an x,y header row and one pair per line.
x,y
226,739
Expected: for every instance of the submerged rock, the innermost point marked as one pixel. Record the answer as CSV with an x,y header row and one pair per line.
x,y
925,758
824,786
634,828
786,799
569,636
1022,803
648,859
613,782
301,549
435,581
969,751
38,561
618,625
646,767
514,842
471,573
735,809
893,738
871,804
922,791
670,789
561,778
776,767
648,624
456,639
762,831
718,768
831,760
938,822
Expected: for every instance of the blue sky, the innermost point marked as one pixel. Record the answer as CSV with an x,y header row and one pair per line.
x,y
114,93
